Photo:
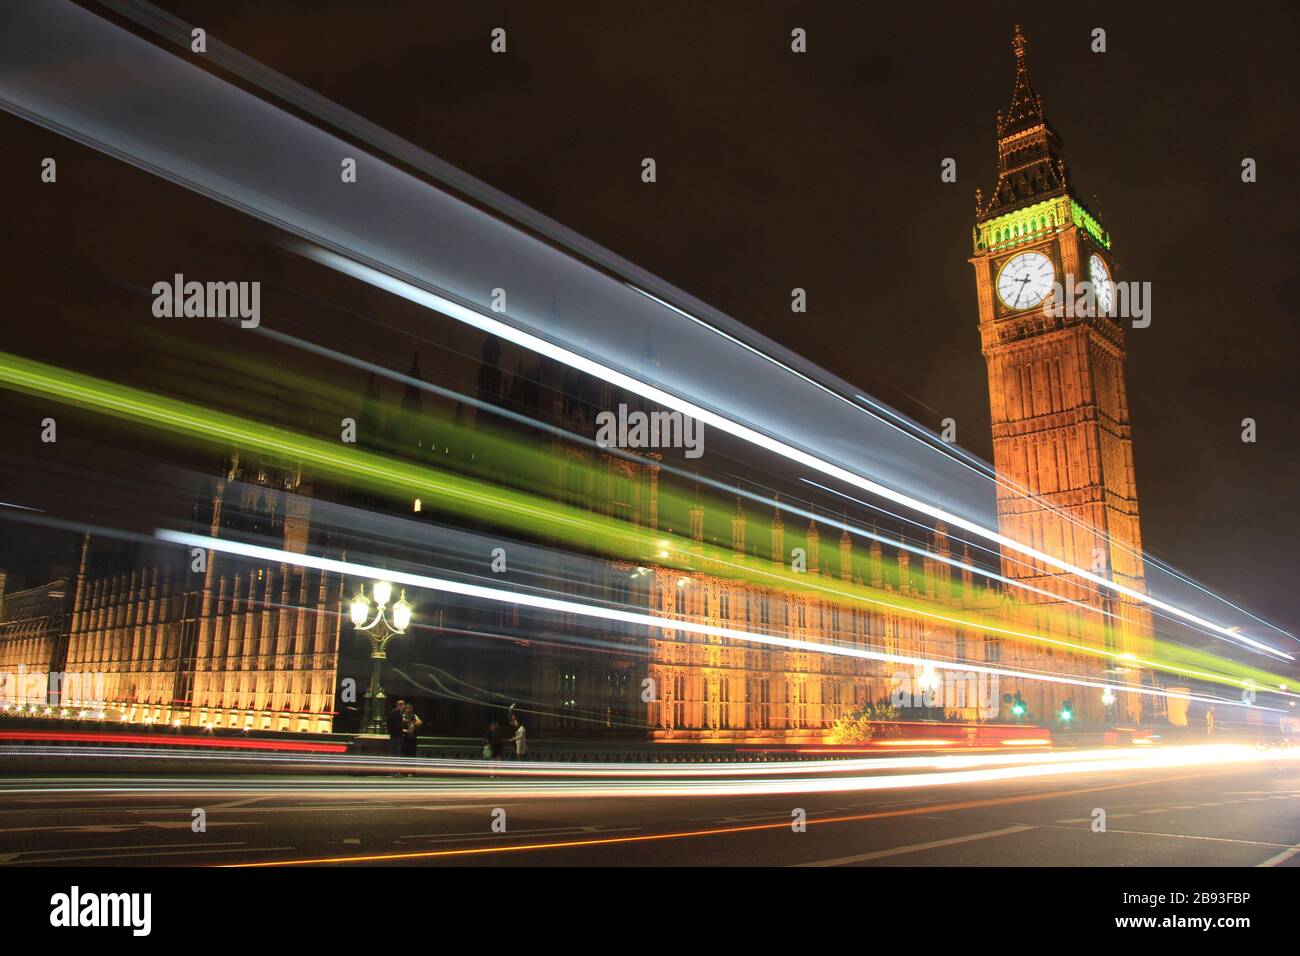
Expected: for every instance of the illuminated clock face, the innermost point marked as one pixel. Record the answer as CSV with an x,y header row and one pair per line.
x,y
1025,280
1099,276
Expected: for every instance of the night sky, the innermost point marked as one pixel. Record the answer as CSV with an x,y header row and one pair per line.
x,y
821,171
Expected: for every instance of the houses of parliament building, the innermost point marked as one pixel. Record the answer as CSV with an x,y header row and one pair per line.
x,y
232,643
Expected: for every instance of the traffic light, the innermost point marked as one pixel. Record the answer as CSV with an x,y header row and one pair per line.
x,y
1018,706
1067,711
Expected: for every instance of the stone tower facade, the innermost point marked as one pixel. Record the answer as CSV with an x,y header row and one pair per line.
x,y
1062,442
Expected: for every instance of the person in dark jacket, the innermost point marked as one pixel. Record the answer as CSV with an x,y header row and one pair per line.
x,y
411,723
493,740
396,717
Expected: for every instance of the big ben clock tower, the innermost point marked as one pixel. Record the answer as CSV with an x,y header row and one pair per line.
x,y
1062,445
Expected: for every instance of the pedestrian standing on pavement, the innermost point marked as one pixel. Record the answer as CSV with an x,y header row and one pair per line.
x,y
521,736
410,729
395,719
492,742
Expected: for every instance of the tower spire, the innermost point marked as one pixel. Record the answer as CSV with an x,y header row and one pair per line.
x,y
778,533
1030,166
1026,105
697,518
738,529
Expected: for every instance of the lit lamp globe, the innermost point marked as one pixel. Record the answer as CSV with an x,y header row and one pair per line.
x,y
360,608
383,591
401,613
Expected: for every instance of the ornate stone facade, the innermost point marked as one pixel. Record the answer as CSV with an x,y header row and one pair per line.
x,y
722,690
207,641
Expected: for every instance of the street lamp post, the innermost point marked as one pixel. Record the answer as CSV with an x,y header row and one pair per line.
x,y
1108,701
380,630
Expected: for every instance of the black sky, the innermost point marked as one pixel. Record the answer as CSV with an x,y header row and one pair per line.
x,y
821,170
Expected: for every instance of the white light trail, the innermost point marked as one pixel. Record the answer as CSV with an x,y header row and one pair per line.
x,y
541,602
471,317
1200,757
544,768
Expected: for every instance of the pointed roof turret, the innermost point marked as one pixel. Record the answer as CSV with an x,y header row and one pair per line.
x,y
814,546
778,533
738,528
1026,108
697,518
1030,165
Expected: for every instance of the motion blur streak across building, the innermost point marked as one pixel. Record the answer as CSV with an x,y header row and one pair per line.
x,y
696,362
243,629
263,640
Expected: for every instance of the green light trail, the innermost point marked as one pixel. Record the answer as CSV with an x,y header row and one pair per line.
x,y
518,510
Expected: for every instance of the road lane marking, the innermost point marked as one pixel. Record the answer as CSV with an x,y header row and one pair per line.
x,y
41,806
1281,857
519,831
917,847
1257,793
1178,836
153,855
130,846
1191,836
1109,816
125,827
115,851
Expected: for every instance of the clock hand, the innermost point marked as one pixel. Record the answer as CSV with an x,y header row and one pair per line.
x,y
1022,290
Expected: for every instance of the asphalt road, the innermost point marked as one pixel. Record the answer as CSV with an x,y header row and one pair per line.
x,y
1235,816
